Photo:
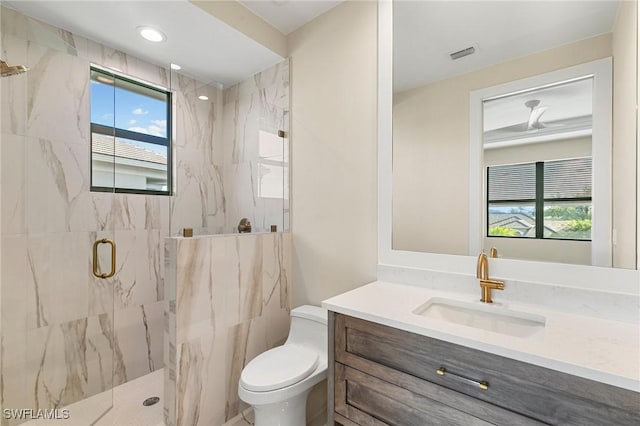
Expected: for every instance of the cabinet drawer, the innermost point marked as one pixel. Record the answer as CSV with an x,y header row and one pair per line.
x,y
372,401
534,392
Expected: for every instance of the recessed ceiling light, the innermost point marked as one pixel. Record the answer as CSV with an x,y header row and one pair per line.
x,y
203,98
151,34
176,67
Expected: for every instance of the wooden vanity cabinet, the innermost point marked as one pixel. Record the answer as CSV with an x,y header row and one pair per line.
x,y
380,375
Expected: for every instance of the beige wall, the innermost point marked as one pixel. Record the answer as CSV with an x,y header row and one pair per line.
x,y
333,152
242,19
430,168
574,252
625,81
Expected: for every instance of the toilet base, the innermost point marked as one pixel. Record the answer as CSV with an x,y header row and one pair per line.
x,y
292,412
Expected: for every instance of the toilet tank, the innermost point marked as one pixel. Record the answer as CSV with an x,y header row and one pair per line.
x,y
309,328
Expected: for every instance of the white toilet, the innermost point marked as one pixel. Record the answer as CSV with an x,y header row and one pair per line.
x,y
277,382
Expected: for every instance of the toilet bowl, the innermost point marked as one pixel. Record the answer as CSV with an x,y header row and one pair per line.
x,y
277,382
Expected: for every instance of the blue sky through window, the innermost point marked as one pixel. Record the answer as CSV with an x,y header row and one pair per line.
x,y
132,111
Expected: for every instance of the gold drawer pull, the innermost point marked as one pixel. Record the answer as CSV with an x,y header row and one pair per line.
x,y
482,385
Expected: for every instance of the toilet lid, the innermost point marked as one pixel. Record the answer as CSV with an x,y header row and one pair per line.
x,y
278,368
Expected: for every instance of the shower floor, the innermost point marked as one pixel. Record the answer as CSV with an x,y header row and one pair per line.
x,y
127,405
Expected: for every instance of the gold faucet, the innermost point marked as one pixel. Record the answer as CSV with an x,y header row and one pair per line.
x,y
486,284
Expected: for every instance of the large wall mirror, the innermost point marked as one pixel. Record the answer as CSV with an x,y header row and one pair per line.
x,y
514,127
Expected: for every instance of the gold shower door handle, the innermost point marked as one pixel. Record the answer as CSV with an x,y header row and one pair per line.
x,y
96,271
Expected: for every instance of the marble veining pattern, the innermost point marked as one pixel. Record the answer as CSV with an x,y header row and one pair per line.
x,y
67,335
55,365
232,303
237,353
255,158
198,201
189,368
84,346
139,340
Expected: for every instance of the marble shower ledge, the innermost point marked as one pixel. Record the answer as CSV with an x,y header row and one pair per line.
x,y
237,234
594,348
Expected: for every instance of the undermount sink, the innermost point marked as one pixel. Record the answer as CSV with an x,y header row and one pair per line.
x,y
483,316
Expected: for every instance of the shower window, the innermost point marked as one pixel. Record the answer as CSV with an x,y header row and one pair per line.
x,y
130,135
544,200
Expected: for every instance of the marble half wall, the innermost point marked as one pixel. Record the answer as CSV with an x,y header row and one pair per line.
x,y
229,300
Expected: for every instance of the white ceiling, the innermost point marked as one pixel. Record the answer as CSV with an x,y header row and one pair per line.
x,y
426,32
207,48
289,15
568,109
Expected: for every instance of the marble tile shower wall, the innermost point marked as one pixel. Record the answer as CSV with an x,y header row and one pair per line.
x,y
199,198
232,303
65,334
256,160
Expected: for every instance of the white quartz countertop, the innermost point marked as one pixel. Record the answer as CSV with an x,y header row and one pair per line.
x,y
597,349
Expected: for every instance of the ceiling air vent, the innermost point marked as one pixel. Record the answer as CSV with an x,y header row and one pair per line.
x,y
462,53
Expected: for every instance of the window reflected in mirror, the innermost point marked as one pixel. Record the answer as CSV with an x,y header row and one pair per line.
x,y
521,67
545,200
538,161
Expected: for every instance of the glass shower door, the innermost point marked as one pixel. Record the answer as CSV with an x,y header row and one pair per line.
x,y
101,339
273,169
57,256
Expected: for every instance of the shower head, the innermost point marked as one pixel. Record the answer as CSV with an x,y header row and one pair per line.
x,y
7,70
